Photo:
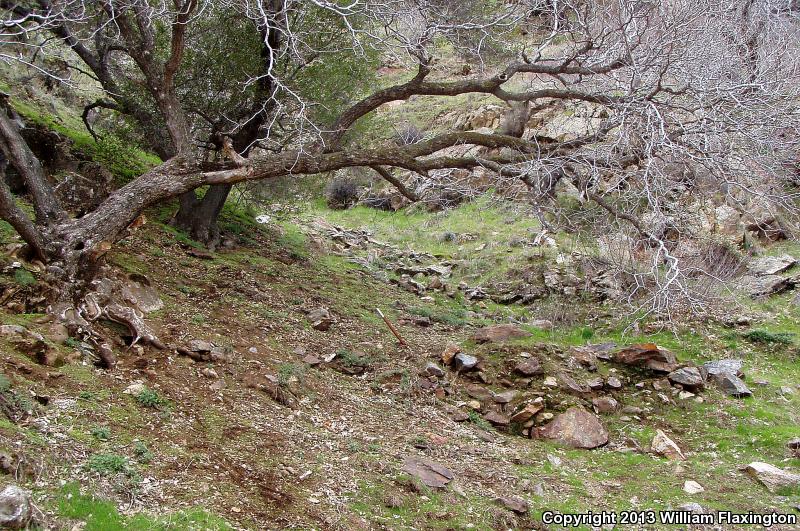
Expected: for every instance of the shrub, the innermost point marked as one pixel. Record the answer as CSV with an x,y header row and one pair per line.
x,y
101,433
107,464
766,337
341,193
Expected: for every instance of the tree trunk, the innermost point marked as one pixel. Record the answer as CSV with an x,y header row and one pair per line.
x,y
198,216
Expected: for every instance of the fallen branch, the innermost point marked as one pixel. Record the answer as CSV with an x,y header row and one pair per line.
x,y
391,327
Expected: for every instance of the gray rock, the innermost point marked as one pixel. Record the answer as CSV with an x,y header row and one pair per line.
x,y
692,507
689,377
198,345
504,397
772,265
732,385
767,285
772,477
730,365
464,362
320,318
15,508
614,383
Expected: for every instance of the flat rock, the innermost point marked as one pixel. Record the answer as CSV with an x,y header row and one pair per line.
x,y
529,367
312,360
772,265
198,345
431,473
731,385
16,509
576,427
514,504
689,377
666,447
764,286
528,411
730,365
648,355
497,418
499,333
772,477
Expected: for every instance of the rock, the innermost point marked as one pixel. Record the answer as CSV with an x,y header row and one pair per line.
x,y
666,447
209,373
692,507
528,411
198,345
595,384
497,419
464,362
732,385
632,410
474,405
786,390
568,384
730,365
550,382
8,330
320,319
692,487
542,324
134,389
504,397
499,333
312,360
430,473
772,265
772,477
605,404
767,285
16,508
689,377
137,291
585,356
512,503
479,392
576,428
432,369
601,351
614,383
529,367
649,355
449,353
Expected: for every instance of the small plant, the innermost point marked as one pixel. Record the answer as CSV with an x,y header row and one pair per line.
x,y
767,338
86,395
23,277
482,423
142,452
352,360
287,371
150,398
101,433
108,464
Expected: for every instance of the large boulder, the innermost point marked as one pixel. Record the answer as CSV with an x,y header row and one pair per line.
x,y
576,427
499,333
648,355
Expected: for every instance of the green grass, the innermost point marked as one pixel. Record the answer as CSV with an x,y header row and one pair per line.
x,y
103,515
